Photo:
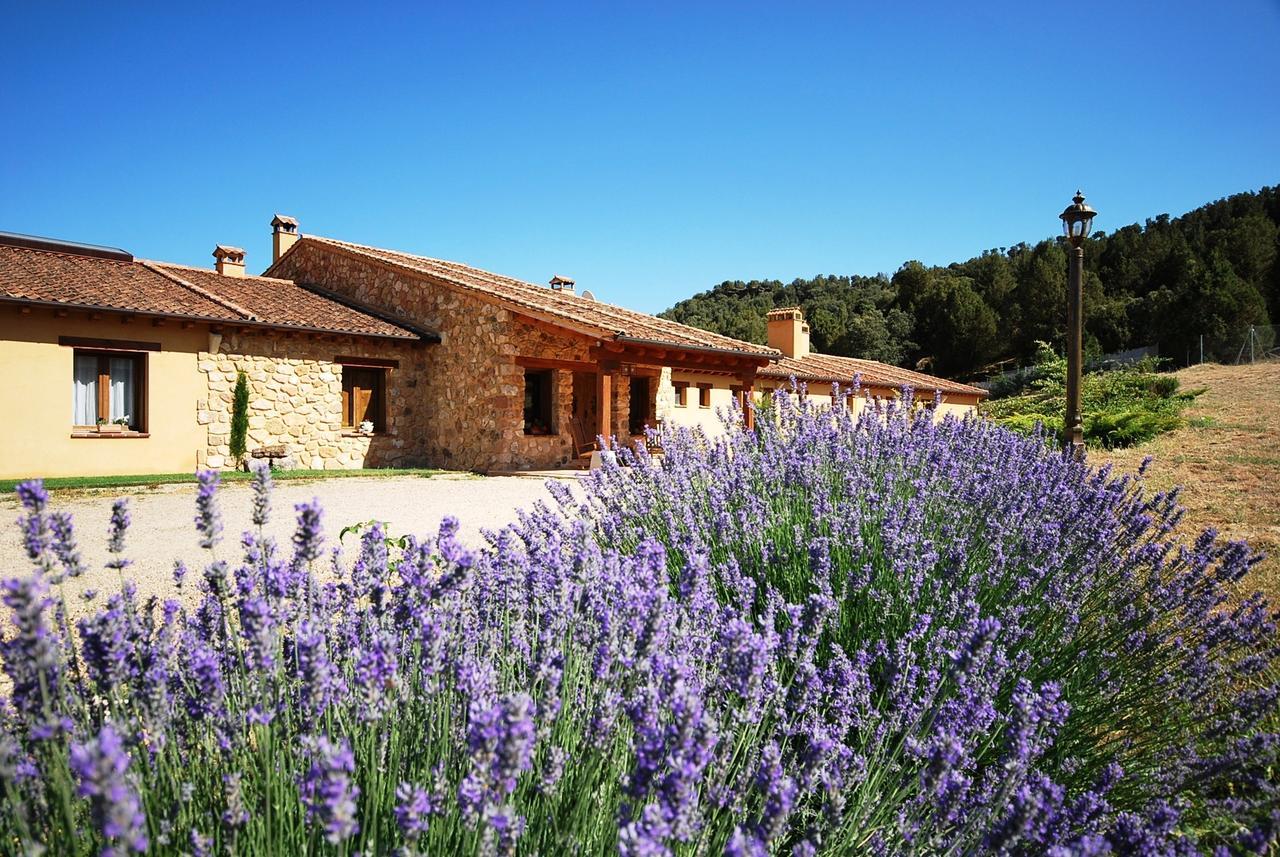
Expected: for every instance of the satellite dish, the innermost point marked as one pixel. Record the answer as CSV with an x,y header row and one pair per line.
x,y
586,294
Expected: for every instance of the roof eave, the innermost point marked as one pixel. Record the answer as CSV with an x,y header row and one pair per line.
x,y
765,357
213,320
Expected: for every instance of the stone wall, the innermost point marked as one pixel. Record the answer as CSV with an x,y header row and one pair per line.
x,y
471,393
295,400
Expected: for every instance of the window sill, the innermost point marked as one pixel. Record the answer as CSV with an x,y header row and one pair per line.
x,y
350,432
115,435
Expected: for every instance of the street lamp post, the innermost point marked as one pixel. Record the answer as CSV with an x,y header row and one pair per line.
x,y
1077,219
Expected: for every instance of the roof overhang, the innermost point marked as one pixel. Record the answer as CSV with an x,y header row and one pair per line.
x,y
427,337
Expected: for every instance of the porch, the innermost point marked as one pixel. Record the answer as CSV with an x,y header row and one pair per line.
x,y
612,398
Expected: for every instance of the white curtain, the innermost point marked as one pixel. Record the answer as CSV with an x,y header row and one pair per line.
x,y
122,389
84,391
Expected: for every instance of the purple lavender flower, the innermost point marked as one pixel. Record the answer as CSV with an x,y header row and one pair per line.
x,y
64,544
208,519
236,815
308,538
115,538
414,808
320,681
327,788
102,767
259,628
377,676
37,537
262,484
30,653
501,737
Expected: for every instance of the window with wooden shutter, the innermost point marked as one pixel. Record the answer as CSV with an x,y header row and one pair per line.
x,y
363,397
107,387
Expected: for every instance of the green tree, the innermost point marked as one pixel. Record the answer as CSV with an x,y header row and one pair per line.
x,y
239,417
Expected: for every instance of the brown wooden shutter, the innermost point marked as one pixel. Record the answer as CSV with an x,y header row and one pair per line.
x,y
361,396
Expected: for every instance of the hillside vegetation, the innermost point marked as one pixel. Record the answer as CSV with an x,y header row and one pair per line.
x,y
1210,272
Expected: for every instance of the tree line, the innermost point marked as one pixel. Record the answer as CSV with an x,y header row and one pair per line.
x,y
1213,272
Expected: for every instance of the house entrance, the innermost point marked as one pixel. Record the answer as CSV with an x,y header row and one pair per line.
x,y
641,413
586,407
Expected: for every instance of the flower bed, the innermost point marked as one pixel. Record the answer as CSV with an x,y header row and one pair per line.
x,y
890,636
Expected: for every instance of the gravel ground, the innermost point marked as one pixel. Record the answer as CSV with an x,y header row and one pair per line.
x,y
162,528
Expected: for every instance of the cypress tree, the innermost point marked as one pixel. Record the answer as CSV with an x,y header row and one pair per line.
x,y
239,417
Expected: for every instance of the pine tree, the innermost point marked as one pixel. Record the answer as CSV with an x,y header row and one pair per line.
x,y
239,417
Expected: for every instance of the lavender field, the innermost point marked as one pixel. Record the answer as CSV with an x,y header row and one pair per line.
x,y
826,636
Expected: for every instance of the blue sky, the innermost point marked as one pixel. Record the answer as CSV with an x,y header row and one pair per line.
x,y
650,150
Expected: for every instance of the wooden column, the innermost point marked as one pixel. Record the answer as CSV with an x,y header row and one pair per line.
x,y
748,400
604,403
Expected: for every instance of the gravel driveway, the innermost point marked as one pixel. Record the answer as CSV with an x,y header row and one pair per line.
x,y
162,528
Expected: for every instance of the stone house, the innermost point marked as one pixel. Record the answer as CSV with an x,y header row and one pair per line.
x,y
355,356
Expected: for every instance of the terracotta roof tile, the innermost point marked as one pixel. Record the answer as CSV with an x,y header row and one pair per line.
x,y
85,281
158,288
828,367
287,303
601,319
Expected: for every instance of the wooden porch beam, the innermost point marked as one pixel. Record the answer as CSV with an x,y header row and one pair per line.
x,y
604,404
551,363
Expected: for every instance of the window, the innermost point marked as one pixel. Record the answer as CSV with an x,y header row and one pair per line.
x,y
364,396
739,395
704,395
537,401
682,393
106,388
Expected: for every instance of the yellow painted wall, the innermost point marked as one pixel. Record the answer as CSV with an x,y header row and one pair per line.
x,y
691,414
36,438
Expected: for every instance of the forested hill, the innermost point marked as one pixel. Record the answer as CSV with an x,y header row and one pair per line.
x,y
1213,271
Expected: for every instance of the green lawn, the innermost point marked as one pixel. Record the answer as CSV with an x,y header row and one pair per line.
x,y
78,482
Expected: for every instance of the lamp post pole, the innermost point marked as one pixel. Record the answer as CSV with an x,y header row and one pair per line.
x,y
1073,437
1077,219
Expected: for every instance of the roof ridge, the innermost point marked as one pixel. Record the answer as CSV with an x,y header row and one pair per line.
x,y
208,271
618,320
205,293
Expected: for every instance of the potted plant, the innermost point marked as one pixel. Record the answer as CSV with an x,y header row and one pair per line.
x,y
366,427
105,426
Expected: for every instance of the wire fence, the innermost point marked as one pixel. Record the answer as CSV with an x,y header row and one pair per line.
x,y
1254,344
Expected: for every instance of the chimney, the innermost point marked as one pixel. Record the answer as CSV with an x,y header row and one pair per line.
x,y
788,331
284,233
562,284
230,260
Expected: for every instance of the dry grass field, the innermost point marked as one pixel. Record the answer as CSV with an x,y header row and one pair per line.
x,y
1227,459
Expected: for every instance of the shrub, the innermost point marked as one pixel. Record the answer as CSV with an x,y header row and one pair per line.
x,y
889,637
1122,406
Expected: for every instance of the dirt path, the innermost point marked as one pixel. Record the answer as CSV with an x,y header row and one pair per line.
x,y
162,528
1227,459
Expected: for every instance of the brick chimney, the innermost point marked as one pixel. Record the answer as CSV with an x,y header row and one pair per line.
x,y
230,260
788,331
284,233
562,284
